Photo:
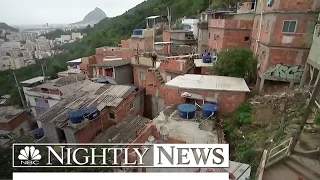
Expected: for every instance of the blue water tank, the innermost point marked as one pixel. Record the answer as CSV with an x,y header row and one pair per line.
x,y
91,112
187,111
76,116
208,109
38,133
207,59
136,88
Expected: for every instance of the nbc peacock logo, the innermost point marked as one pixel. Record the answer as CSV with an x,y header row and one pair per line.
x,y
29,156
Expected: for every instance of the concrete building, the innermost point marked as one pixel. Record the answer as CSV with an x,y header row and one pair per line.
x,y
119,52
65,38
117,68
179,37
282,37
42,95
14,63
114,103
30,46
76,36
191,25
73,68
226,92
142,39
12,120
31,36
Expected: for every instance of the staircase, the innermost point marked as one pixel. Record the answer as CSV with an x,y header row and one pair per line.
x,y
159,76
293,167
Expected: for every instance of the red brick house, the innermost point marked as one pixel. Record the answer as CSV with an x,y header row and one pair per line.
x,y
13,120
113,102
282,37
227,92
153,78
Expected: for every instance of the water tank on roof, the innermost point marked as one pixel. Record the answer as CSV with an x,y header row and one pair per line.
x,y
136,88
207,59
91,113
187,111
208,109
38,133
76,116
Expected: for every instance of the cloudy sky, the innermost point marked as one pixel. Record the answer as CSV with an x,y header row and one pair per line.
x,y
15,12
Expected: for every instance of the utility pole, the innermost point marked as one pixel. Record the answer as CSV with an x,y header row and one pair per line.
x,y
44,75
17,84
306,114
169,18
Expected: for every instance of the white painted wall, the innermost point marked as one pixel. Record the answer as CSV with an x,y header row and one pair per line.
x,y
193,23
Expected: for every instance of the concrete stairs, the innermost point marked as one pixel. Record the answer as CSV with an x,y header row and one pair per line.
x,y
293,167
159,76
308,169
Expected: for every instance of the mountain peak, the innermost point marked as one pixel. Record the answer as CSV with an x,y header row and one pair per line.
x,y
93,16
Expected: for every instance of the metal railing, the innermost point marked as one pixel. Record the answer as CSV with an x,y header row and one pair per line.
x,y
281,150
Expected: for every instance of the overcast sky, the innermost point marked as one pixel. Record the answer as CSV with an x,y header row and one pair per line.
x,y
15,12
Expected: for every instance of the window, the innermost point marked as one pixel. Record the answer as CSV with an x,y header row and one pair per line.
x,y
209,35
112,116
289,26
142,76
131,106
247,38
46,101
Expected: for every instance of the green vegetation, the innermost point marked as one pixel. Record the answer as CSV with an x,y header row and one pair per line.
x,y
317,120
243,114
237,62
6,27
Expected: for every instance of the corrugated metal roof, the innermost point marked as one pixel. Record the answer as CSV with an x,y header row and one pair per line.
x,y
88,94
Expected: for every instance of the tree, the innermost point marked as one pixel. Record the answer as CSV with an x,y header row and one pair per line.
x,y
236,63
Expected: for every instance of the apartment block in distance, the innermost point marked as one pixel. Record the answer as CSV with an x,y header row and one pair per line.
x,y
282,37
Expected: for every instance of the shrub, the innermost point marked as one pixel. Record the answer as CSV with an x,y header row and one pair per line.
x,y
243,114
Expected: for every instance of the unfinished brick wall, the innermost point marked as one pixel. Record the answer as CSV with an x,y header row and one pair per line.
x,y
227,33
166,36
227,101
125,43
14,123
88,133
293,5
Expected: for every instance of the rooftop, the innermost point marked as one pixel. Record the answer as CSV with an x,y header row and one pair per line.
x,y
88,94
189,131
123,132
75,61
8,113
199,63
209,82
33,80
113,63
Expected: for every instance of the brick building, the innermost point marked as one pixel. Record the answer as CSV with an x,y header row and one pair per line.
x,y
227,92
232,30
12,120
221,29
282,37
113,103
153,78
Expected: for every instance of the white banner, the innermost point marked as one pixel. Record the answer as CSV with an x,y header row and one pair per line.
x,y
131,176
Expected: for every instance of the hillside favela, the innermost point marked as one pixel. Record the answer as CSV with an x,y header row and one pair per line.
x,y
130,74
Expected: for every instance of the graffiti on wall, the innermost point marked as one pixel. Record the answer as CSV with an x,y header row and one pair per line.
x,y
285,72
